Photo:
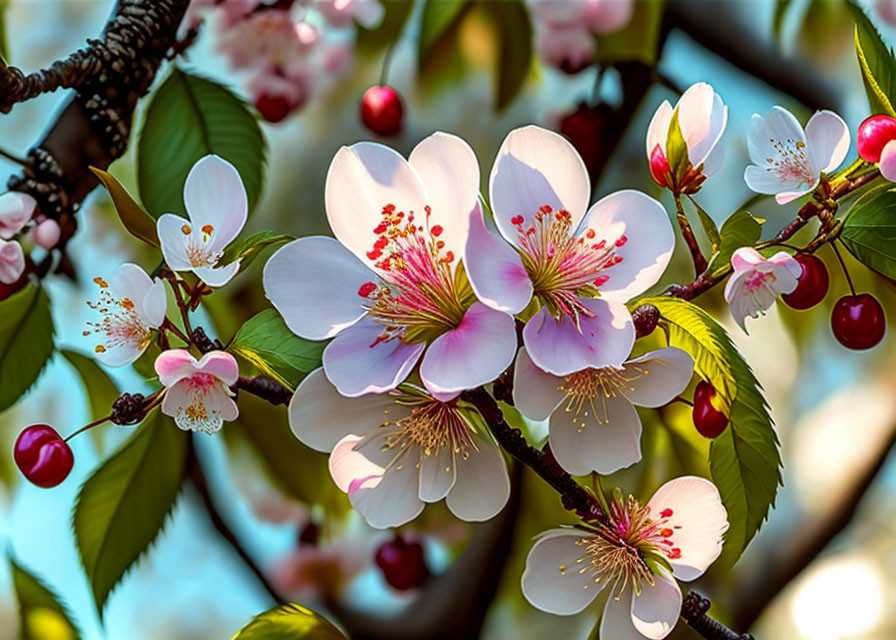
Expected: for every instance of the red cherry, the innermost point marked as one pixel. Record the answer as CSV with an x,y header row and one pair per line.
x,y
811,284
873,135
402,563
584,128
710,422
273,108
42,456
858,322
381,110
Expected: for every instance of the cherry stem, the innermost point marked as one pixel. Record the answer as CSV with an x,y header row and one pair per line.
x,y
181,304
687,233
93,424
170,326
845,270
387,63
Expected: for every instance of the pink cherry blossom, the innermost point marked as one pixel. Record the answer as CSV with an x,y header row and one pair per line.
x,y
581,264
268,37
593,422
394,452
757,282
680,527
12,261
197,393
565,29
388,290
46,234
340,13
16,209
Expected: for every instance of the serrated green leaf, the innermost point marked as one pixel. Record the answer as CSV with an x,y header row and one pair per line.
x,y
878,65
138,223
745,461
248,248
709,226
869,233
638,40
266,341
42,616
511,20
122,506
189,117
395,15
741,229
289,621
438,17
26,342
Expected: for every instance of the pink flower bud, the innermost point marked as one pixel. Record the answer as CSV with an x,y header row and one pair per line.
x,y
659,166
873,135
46,234
16,209
12,262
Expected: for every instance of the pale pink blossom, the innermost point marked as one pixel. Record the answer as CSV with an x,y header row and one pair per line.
x,y
341,13
130,306
757,281
581,264
291,84
394,452
216,203
681,528
46,234
565,29
270,37
593,422
16,210
197,393
886,9
788,161
312,571
388,290
12,261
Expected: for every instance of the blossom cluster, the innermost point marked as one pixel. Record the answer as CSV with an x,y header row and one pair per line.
x,y
21,222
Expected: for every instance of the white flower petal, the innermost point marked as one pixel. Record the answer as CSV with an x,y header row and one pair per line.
x,y
661,376
535,393
217,276
154,305
827,141
616,623
314,282
348,465
702,117
173,241
698,519
655,612
393,501
552,581
449,172
536,167
763,179
118,355
766,132
437,475
482,486
658,131
214,196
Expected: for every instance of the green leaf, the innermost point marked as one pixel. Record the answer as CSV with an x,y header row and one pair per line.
x,y
511,20
4,43
188,118
709,226
869,232
396,14
878,65
745,461
266,342
26,342
98,386
638,40
138,223
289,621
778,18
41,615
438,18
741,229
677,149
122,506
249,248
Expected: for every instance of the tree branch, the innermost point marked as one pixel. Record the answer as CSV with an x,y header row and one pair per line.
x,y
693,612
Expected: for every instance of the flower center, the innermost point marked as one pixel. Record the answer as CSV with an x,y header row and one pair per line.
x,y
197,248
423,293
623,552
791,162
197,414
564,267
120,324
587,391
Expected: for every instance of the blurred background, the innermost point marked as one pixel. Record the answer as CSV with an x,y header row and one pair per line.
x,y
835,409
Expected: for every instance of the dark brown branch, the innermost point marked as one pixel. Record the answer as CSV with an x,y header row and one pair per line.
x,y
265,388
693,611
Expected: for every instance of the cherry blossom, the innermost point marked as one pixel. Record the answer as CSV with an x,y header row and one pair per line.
x,y
389,288
12,261
266,37
702,117
757,282
130,306
593,423
637,553
197,394
394,452
341,13
217,207
582,266
46,234
16,209
787,161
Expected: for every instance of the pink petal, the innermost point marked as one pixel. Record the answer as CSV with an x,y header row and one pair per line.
x,y
475,353
746,258
888,161
494,269
356,364
16,209
174,365
220,364
347,466
558,347
12,261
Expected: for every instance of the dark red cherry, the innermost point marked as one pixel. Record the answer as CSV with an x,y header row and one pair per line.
x,y
42,456
273,108
873,135
584,128
811,284
402,563
381,110
858,322
710,422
